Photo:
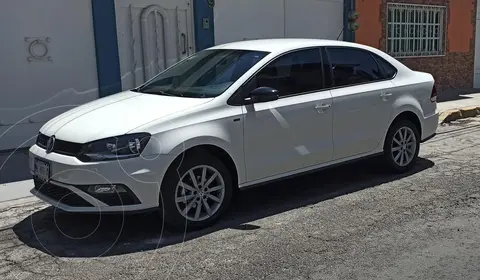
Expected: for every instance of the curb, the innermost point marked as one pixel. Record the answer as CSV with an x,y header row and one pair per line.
x,y
456,114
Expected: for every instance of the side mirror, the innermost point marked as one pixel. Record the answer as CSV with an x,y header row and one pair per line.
x,y
262,94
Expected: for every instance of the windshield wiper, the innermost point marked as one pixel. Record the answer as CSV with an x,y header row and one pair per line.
x,y
166,93
161,92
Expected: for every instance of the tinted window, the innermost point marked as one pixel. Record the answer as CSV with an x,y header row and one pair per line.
x,y
207,73
388,69
293,73
352,66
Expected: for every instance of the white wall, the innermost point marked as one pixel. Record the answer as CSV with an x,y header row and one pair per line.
x,y
248,19
320,19
254,19
31,91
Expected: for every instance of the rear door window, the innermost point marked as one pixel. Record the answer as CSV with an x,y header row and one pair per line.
x,y
352,66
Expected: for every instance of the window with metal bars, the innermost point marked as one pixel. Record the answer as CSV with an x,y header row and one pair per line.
x,y
415,30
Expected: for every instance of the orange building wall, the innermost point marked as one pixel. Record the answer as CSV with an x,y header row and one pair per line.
x,y
452,71
370,31
460,29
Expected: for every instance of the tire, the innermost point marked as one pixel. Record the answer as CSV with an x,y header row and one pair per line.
x,y
171,190
392,150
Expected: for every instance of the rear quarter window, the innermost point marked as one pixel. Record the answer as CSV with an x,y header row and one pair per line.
x,y
388,69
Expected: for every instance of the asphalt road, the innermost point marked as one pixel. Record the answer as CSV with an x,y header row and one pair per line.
x,y
351,222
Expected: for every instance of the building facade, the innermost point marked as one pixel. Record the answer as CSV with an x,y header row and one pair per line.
x,y
435,36
58,54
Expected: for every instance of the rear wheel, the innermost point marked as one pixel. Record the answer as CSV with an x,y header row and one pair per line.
x,y
196,192
402,146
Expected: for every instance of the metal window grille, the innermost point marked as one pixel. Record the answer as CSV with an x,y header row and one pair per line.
x,y
415,30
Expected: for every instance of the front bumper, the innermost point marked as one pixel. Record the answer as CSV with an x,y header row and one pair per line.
x,y
70,178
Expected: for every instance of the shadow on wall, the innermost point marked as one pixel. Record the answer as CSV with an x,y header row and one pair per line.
x,y
76,235
14,166
456,94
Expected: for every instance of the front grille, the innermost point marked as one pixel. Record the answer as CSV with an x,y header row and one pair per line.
x,y
42,140
60,146
67,148
116,199
62,195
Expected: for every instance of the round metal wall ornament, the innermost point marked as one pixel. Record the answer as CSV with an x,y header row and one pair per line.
x,y
38,49
211,3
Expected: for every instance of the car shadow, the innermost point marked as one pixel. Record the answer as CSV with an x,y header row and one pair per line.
x,y
79,235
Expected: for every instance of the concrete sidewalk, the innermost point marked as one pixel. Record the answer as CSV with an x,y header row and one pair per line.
x,y
15,182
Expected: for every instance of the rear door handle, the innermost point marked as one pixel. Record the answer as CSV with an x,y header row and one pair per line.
x,y
322,107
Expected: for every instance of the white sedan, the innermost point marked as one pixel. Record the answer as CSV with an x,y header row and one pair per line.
x,y
233,116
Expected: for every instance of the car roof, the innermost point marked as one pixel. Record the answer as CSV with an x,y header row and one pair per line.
x,y
283,44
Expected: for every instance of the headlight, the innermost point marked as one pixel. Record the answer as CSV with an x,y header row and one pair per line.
x,y
120,147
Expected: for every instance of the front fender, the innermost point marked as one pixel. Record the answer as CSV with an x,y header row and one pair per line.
x,y
177,141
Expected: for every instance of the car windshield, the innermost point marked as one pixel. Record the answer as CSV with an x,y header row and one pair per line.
x,y
205,74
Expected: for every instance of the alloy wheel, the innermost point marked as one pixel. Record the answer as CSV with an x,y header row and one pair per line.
x,y
200,193
404,145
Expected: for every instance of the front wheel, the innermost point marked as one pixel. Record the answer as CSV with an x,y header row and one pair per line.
x,y
196,192
402,146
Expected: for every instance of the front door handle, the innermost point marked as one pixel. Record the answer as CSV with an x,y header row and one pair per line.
x,y
385,95
322,107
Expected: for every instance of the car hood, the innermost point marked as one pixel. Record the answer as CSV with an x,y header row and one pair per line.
x,y
115,115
